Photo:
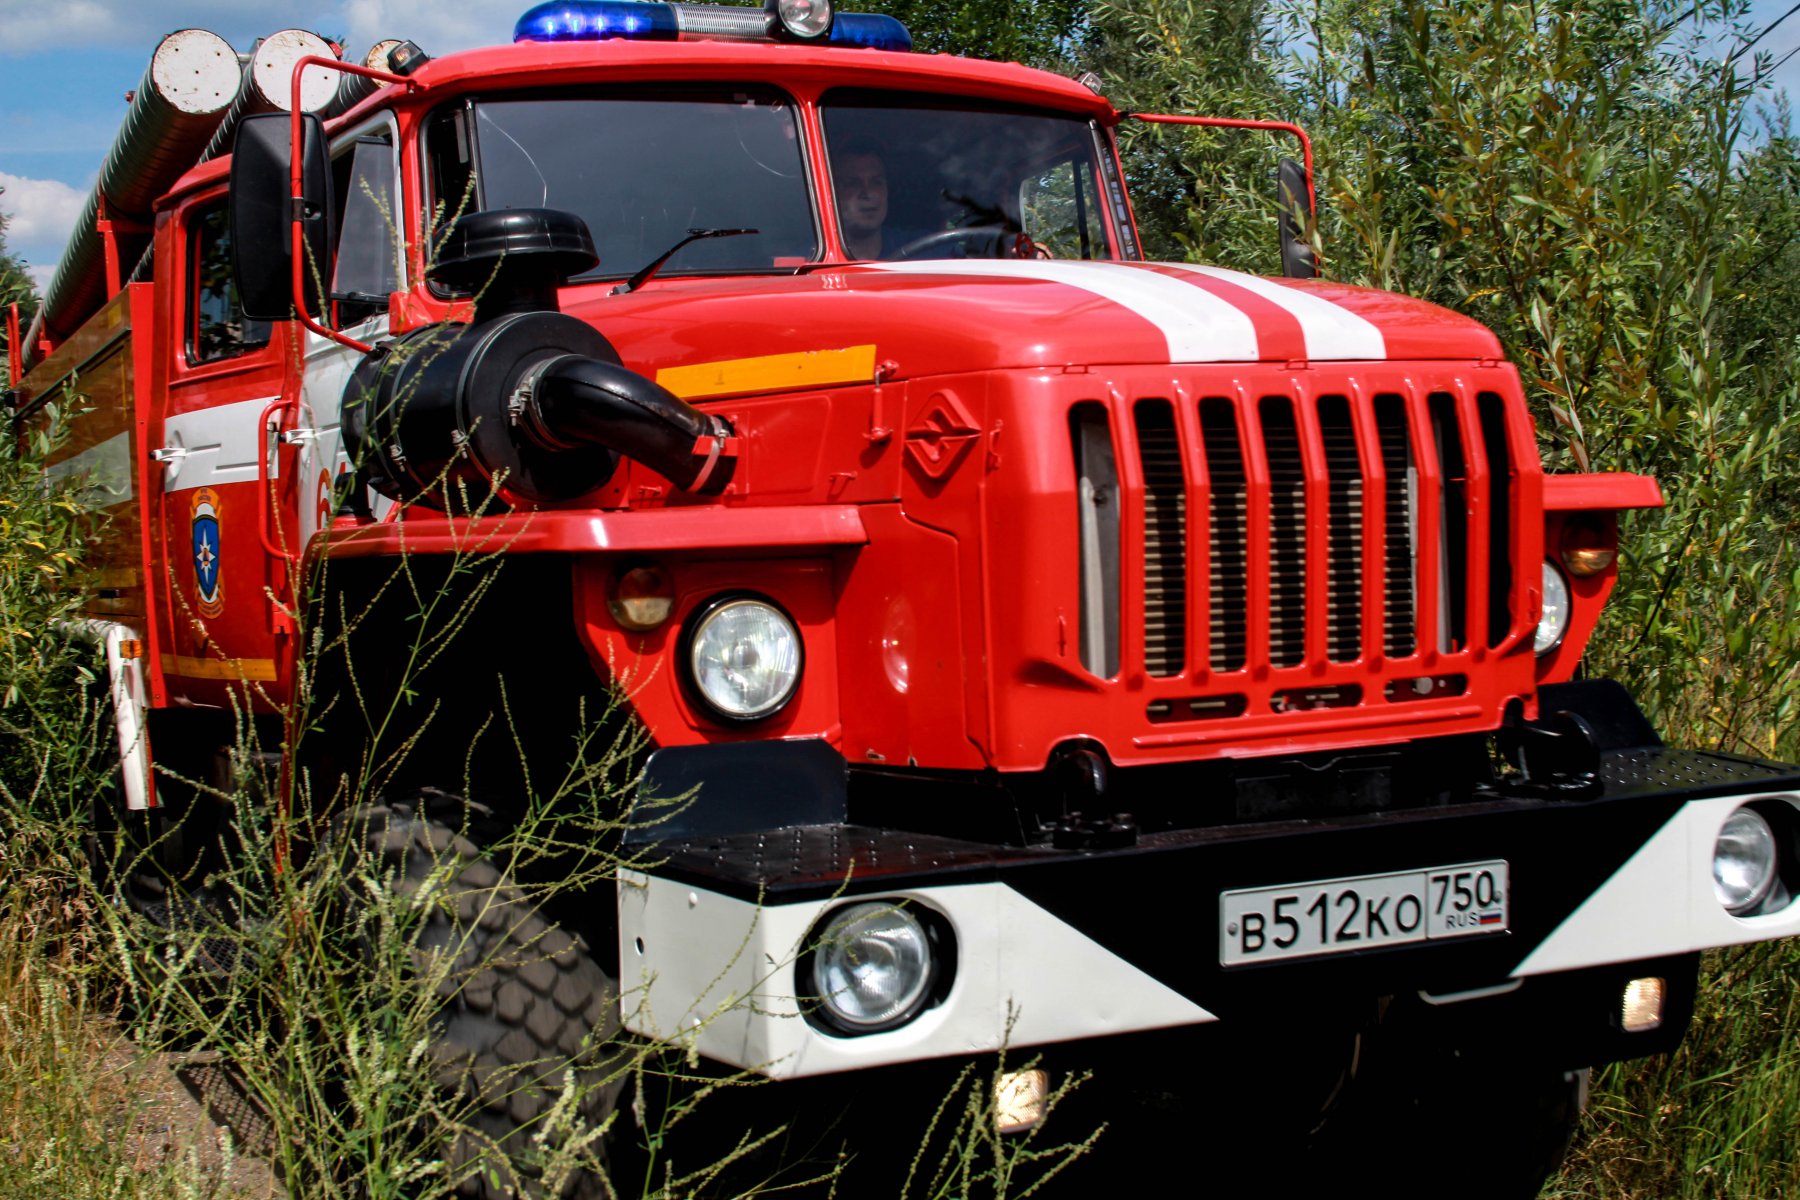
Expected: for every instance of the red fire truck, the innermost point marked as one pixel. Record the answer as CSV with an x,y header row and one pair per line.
x,y
1169,669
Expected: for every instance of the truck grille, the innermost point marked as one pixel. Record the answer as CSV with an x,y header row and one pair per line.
x,y
1329,532
1165,538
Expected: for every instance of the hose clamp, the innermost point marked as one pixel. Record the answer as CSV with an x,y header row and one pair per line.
x,y
522,407
713,446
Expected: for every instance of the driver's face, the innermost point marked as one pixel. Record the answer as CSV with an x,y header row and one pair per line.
x,y
862,194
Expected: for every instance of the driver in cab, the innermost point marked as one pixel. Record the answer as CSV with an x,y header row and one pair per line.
x,y
860,177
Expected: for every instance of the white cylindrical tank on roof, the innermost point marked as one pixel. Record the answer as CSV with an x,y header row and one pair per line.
x,y
190,83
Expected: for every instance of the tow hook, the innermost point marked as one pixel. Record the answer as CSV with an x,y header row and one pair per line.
x,y
1077,832
1557,758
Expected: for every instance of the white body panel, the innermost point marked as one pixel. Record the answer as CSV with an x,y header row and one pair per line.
x,y
212,446
321,444
1661,901
718,973
130,704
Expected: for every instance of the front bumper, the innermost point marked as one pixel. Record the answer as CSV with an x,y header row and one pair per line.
x,y
1054,946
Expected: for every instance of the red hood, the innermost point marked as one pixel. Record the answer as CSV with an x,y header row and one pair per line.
x,y
934,318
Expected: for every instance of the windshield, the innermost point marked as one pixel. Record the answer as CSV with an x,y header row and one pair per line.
x,y
941,177
642,168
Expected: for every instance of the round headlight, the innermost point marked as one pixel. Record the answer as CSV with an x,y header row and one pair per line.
x,y
872,966
744,659
803,19
1555,619
1744,861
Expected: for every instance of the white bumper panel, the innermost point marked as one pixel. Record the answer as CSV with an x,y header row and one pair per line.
x,y
1661,901
718,974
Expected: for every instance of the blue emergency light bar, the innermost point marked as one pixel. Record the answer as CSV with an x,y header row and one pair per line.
x,y
654,21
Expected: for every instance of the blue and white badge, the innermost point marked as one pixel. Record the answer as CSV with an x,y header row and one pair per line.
x,y
207,548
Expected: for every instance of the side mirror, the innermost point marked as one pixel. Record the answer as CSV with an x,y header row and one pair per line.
x,y
1297,261
261,234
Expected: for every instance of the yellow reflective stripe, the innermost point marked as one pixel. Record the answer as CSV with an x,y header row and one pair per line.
x,y
771,372
256,670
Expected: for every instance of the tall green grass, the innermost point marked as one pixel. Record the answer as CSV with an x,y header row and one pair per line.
x,y
1718,1118
311,959
76,1116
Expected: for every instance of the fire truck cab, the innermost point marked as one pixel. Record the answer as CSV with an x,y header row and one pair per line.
x,y
1140,663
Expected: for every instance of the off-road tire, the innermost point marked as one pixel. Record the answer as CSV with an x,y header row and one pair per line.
x,y
523,1004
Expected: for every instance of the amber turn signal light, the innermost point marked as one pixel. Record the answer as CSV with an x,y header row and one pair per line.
x,y
643,597
1590,544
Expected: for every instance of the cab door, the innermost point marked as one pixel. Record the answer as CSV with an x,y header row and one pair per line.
x,y
226,374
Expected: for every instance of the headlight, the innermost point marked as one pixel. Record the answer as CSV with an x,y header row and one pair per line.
x,y
805,20
744,659
1744,861
872,966
1555,620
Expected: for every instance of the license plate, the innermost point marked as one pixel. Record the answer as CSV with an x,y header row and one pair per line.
x,y
1361,912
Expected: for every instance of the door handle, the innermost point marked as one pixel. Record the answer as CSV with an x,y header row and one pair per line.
x,y
270,420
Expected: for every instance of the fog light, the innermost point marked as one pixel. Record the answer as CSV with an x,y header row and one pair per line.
x,y
872,966
1744,861
1642,1008
1020,1098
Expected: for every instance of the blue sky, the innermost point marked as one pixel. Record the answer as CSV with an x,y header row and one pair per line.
x,y
65,66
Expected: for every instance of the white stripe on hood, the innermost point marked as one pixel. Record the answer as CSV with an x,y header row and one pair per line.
x,y
1198,326
1331,331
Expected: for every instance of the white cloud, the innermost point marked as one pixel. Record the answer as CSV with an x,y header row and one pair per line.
x,y
32,25
438,26
39,214
40,276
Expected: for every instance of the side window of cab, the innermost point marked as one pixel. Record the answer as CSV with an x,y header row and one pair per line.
x,y
217,328
371,248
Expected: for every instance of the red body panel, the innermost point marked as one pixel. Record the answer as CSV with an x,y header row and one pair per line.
x,y
587,532
644,665
1600,492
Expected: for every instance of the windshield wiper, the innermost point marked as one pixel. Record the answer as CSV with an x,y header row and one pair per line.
x,y
693,235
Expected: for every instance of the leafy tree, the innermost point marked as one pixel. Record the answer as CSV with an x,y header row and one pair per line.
x,y
15,287
1198,193
1038,33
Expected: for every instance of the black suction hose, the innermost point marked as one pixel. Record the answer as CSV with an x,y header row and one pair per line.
x,y
573,401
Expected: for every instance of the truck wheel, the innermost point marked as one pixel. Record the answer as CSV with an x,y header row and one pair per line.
x,y
524,1004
